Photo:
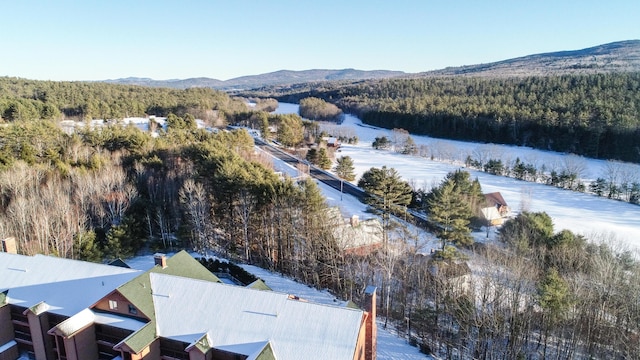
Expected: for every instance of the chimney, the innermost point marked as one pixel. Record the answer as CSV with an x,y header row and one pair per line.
x,y
9,245
371,329
354,220
160,260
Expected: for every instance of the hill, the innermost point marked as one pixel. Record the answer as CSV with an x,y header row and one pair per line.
x,y
622,56
282,77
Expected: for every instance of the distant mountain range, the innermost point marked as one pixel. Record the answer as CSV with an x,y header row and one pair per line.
x,y
622,56
282,77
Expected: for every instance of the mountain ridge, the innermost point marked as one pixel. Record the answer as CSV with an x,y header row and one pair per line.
x,y
620,56
280,77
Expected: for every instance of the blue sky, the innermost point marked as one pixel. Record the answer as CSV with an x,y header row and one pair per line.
x,y
97,40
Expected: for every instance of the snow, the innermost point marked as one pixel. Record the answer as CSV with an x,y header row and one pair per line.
x,y
8,346
248,317
38,280
122,322
140,122
596,218
389,347
76,322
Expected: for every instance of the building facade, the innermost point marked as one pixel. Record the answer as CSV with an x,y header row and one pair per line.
x,y
52,308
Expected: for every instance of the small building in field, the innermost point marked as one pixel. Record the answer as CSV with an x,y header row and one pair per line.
x,y
495,209
332,142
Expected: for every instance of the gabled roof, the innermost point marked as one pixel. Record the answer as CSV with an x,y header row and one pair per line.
x,y
265,354
139,340
119,262
259,285
494,198
66,286
73,324
239,318
203,344
138,291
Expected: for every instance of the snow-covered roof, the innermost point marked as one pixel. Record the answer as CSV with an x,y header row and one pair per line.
x,y
65,286
119,321
244,319
73,324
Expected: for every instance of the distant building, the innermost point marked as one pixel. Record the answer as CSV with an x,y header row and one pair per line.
x,y
495,209
332,142
355,236
53,308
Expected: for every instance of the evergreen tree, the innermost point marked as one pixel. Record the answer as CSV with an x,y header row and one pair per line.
x,y
290,130
344,168
174,122
323,159
87,247
264,125
527,230
555,299
312,156
381,143
451,213
410,147
386,192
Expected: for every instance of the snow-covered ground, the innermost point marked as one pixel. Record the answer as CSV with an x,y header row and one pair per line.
x,y
589,215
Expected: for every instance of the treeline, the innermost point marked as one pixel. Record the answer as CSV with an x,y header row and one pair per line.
x,y
596,115
317,109
108,193
22,99
539,294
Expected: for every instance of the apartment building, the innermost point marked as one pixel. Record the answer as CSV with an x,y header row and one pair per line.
x,y
52,308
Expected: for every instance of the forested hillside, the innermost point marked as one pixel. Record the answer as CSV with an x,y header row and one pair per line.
x,y
107,192
22,99
592,115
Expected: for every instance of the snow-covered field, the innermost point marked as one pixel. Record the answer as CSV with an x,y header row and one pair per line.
x,y
589,215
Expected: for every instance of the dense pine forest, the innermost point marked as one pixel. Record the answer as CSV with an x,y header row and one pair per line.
x,y
22,99
596,115
113,191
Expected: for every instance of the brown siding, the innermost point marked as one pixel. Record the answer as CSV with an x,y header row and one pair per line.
x,y
9,245
371,337
42,342
122,305
21,328
6,327
195,354
11,353
362,340
82,345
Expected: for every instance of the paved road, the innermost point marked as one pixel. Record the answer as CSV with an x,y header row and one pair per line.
x,y
315,172
414,216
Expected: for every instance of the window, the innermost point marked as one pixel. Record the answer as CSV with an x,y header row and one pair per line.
x,y
133,310
113,305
